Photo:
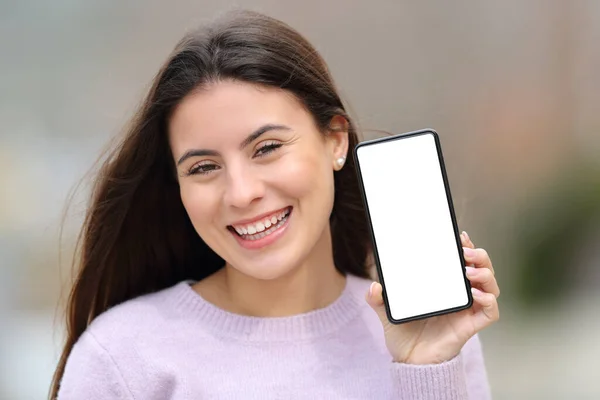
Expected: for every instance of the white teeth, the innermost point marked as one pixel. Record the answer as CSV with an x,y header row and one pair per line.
x,y
261,227
267,232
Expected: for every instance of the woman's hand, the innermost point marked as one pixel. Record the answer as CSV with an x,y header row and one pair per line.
x,y
438,339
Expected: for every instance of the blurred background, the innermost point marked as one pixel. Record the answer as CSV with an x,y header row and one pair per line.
x,y
512,87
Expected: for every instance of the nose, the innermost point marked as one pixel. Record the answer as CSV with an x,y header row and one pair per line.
x,y
244,187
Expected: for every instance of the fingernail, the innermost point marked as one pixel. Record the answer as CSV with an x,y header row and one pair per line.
x,y
470,271
469,252
476,292
371,290
466,235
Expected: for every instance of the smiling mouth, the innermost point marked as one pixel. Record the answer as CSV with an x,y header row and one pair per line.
x,y
263,227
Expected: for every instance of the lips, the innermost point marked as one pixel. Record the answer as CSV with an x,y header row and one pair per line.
x,y
268,236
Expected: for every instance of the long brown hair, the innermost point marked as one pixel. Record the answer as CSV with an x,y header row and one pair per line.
x,y
137,237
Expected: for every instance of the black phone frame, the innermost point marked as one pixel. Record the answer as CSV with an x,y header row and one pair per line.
x,y
452,215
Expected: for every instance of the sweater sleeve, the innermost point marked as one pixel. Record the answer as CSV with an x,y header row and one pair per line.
x,y
91,373
478,385
462,378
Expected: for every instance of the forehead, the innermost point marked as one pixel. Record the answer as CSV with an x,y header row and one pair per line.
x,y
229,110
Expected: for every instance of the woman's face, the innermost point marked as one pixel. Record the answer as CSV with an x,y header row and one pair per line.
x,y
255,175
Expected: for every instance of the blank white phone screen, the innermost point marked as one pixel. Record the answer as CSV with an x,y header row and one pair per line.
x,y
412,226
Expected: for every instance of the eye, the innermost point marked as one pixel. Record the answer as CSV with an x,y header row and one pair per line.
x,y
202,168
266,148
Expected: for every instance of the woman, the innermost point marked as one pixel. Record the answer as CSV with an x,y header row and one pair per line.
x,y
225,252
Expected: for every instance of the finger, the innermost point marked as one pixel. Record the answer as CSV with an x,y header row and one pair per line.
x,y
375,300
479,258
484,279
488,312
466,240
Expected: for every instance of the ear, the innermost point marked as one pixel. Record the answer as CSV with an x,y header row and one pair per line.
x,y
337,139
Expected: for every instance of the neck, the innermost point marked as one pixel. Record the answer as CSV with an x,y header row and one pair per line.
x,y
310,286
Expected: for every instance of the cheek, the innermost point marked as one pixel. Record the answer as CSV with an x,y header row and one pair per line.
x,y
198,203
308,175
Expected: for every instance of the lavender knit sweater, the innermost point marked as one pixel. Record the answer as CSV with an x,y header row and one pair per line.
x,y
174,345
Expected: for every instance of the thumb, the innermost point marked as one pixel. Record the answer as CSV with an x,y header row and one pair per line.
x,y
375,300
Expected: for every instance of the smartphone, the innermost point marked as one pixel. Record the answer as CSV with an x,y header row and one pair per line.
x,y
416,243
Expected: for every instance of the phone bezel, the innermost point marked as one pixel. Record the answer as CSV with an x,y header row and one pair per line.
x,y
452,215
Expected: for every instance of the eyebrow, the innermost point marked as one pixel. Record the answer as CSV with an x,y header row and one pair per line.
x,y
249,139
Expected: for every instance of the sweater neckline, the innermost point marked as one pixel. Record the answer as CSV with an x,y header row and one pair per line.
x,y
305,326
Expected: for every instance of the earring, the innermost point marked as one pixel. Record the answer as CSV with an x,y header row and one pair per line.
x,y
340,161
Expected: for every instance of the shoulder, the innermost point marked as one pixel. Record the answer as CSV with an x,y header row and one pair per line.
x,y
135,318
116,357
358,286
369,321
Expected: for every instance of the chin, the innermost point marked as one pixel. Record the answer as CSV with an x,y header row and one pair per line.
x,y
267,273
